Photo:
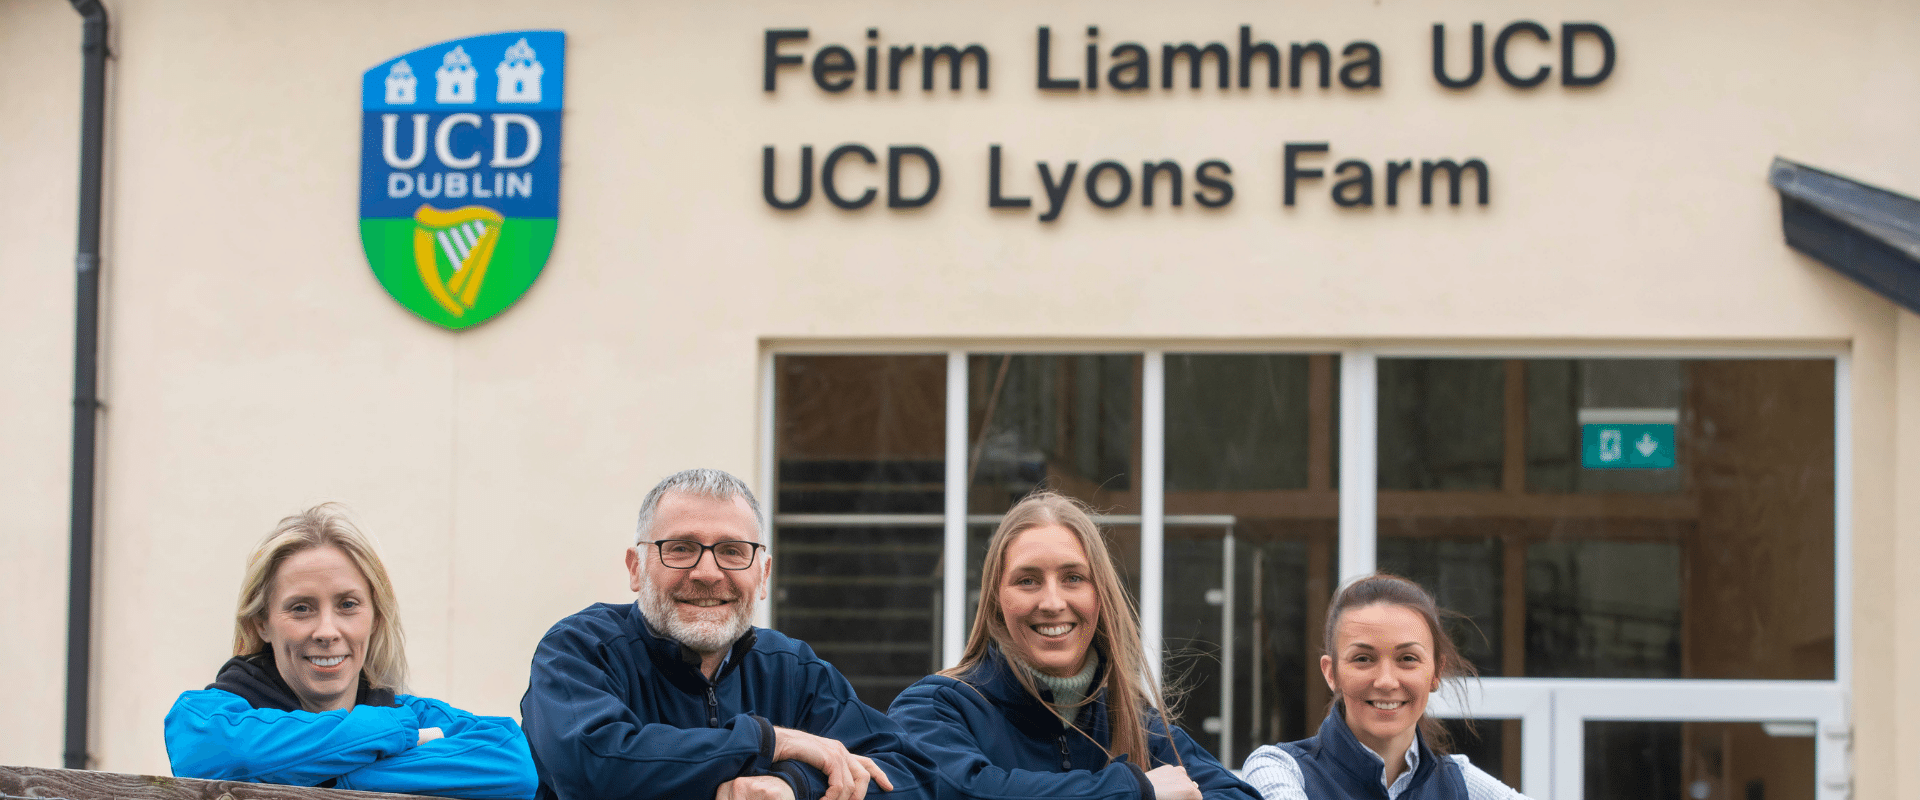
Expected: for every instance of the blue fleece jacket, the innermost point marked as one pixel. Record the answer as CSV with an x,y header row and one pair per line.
x,y
615,712
246,728
994,740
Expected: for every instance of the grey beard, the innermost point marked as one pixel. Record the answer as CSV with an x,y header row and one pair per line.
x,y
705,638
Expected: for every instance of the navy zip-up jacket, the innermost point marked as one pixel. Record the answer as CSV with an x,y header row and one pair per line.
x,y
617,712
993,740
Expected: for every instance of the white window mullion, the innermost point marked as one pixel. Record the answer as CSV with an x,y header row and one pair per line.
x,y
1153,441
953,590
1359,473
1831,765
769,493
1228,569
1843,521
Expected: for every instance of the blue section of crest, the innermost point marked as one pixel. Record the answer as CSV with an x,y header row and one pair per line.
x,y
472,121
440,84
484,148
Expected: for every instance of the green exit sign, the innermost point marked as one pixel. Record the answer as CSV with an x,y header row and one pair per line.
x,y
1628,438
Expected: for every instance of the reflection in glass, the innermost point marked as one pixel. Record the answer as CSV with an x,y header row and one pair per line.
x,y
1713,561
1236,422
1066,422
860,437
1440,423
1759,568
1601,609
1243,686
1633,761
860,433
867,599
1698,761
1250,544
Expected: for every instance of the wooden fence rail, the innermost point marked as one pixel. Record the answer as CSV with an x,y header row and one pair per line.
x,y
69,784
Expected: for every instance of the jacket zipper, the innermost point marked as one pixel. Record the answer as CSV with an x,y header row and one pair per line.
x,y
713,709
1066,761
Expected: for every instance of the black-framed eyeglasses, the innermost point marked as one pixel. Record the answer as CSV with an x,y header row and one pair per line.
x,y
685,553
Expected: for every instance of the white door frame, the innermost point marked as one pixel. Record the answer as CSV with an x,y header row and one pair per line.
x,y
1529,700
1554,712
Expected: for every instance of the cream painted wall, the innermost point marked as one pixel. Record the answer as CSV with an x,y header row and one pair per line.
x,y
1876,587
39,135
255,366
1905,631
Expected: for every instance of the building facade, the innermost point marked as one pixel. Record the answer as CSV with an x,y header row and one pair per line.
x,y
1497,298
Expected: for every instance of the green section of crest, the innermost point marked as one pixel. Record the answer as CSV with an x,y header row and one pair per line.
x,y
518,257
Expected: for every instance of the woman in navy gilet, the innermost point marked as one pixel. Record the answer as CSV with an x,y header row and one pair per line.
x,y
1386,653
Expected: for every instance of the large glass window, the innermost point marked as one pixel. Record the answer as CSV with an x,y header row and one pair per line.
x,y
1070,423
1598,522
1250,543
860,465
1617,518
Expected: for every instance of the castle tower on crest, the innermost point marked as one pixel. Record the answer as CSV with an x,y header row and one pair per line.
x,y
456,77
519,75
400,84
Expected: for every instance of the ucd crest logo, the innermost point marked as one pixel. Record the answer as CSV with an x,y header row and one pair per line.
x,y
460,172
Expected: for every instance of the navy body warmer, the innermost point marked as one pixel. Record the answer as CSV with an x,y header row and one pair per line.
x,y
1336,765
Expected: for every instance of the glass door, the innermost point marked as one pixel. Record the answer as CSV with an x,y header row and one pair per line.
x,y
1643,555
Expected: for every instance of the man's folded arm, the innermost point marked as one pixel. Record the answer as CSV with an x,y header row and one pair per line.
x,y
589,745
836,712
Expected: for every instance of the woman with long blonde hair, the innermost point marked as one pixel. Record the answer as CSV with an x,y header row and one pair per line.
x,y
314,694
1053,696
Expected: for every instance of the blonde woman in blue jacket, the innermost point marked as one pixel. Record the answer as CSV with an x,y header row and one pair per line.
x,y
1053,697
313,693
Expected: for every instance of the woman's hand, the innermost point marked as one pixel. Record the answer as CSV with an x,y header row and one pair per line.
x,y
1171,783
428,735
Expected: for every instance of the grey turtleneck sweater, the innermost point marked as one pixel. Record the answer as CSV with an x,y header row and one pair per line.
x,y
1068,693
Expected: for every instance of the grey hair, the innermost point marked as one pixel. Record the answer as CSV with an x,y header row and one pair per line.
x,y
714,483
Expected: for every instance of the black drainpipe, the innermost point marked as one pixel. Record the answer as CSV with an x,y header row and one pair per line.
x,y
86,367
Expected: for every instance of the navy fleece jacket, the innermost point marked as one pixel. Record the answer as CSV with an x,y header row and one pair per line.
x,y
993,740
616,712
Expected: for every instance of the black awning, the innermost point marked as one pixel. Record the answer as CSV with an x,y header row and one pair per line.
x,y
1864,232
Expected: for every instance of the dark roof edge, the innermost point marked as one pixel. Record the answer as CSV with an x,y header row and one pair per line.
x,y
1891,217
1864,232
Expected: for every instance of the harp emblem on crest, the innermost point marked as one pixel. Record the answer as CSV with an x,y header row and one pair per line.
x,y
452,249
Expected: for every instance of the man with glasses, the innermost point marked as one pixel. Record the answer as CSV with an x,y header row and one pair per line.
x,y
677,695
